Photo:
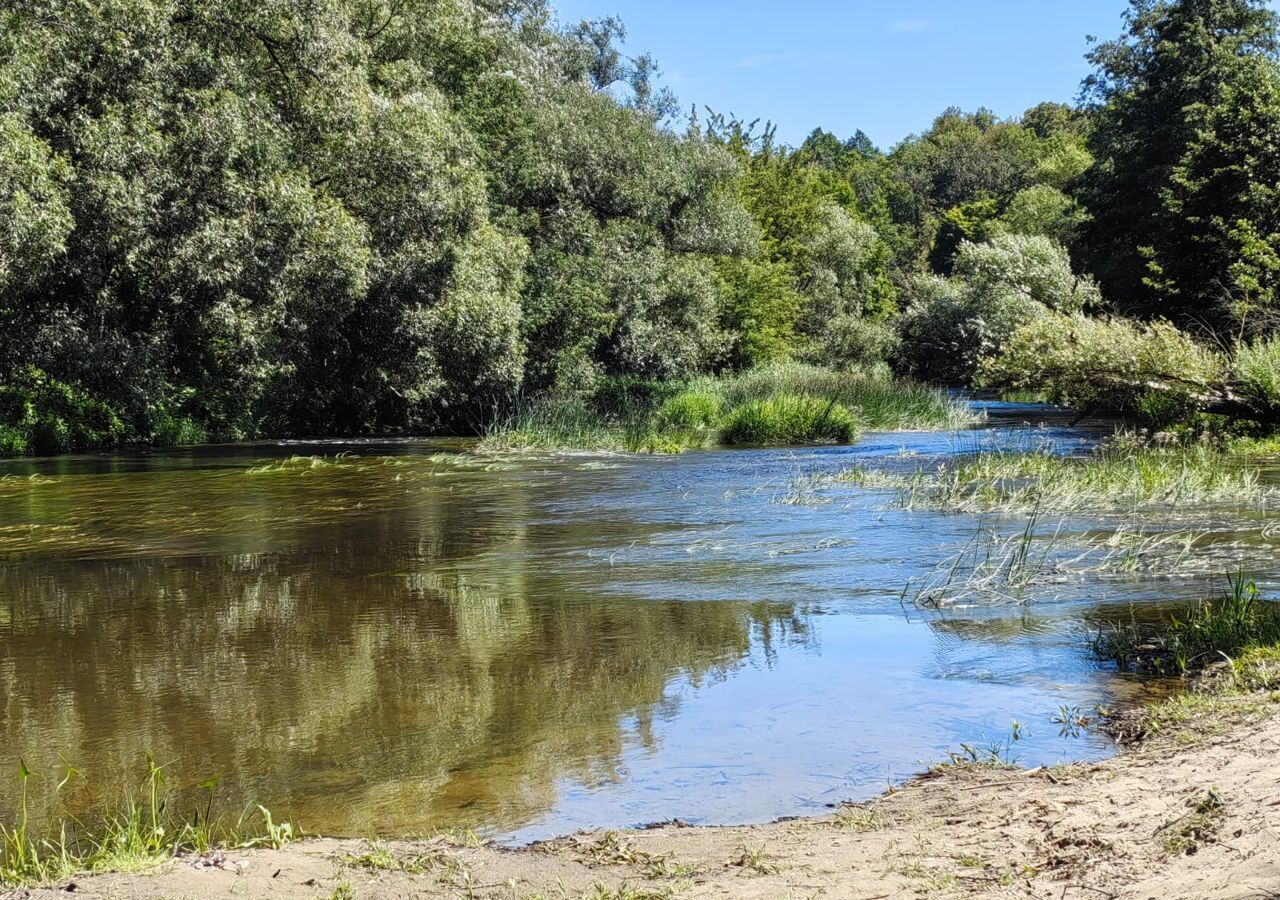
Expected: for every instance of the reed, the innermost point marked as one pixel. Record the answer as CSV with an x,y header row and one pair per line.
x,y
1194,636
1107,480
780,405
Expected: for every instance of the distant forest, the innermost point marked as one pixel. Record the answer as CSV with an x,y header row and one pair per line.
x,y
224,219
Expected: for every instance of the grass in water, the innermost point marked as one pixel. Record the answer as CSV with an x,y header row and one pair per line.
x,y
777,405
1110,479
1198,635
789,419
135,836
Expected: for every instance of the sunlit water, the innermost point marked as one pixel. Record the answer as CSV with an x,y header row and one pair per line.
x,y
412,637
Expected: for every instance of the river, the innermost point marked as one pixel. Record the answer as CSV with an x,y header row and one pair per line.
x,y
392,637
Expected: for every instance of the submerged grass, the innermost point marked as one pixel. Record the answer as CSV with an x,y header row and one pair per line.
x,y
134,836
1107,480
778,405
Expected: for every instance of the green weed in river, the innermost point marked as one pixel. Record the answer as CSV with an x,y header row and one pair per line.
x,y
1110,479
789,419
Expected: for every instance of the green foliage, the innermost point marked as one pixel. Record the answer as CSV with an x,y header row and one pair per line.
x,y
975,221
691,411
760,308
1240,622
1256,370
43,416
170,431
950,327
1046,211
1105,363
136,835
287,220
282,219
790,419
34,216
1031,266
1183,194
854,342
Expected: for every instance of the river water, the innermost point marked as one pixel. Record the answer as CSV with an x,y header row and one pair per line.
x,y
404,636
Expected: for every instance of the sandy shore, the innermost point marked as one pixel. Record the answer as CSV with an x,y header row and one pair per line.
x,y
1192,814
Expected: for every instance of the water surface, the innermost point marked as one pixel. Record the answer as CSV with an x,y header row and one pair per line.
x,y
406,636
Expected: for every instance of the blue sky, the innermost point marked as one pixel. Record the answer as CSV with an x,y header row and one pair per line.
x,y
885,66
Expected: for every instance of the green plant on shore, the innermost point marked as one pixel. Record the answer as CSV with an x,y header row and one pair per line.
x,y
755,860
996,754
132,837
862,818
1196,635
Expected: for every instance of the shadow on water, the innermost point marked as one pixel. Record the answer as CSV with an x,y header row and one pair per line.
x,y
408,636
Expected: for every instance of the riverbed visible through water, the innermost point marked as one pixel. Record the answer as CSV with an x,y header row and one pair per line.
x,y
393,637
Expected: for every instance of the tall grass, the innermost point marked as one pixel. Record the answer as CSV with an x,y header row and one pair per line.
x,y
133,836
789,419
881,403
785,404
1109,479
1196,635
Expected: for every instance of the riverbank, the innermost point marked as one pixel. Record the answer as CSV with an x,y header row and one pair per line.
x,y
1192,811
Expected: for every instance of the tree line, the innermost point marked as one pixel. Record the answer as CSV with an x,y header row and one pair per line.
x,y
235,218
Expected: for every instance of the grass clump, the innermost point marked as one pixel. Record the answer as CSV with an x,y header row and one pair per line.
x,y
882,403
790,419
756,861
1190,639
691,411
557,423
862,818
774,405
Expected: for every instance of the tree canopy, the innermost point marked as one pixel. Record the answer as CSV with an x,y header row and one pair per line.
x,y
222,218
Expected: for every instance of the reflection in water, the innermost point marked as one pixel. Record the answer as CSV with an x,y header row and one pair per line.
x,y
423,664
405,638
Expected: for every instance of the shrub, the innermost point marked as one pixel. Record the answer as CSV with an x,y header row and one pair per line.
x,y
1031,266
1044,210
170,431
1110,364
790,419
950,327
45,416
855,342
13,441
1256,367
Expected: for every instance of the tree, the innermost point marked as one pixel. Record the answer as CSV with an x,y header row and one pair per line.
x,y
1172,194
